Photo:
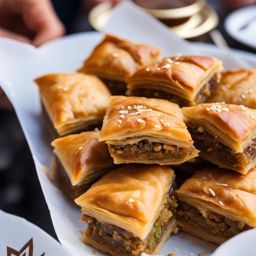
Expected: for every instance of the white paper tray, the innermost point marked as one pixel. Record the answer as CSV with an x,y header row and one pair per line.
x,y
21,63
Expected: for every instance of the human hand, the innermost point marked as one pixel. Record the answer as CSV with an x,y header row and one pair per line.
x,y
30,21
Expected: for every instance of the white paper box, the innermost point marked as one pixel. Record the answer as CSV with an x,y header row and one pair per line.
x,y
21,238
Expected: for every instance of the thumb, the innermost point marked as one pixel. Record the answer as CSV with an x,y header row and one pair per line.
x,y
9,34
41,18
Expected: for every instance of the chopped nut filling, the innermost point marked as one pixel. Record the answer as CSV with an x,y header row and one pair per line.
x,y
124,242
149,150
206,142
212,222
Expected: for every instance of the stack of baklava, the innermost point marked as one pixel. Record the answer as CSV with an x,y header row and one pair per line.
x,y
116,153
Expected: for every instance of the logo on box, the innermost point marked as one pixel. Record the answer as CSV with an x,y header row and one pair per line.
x,y
26,250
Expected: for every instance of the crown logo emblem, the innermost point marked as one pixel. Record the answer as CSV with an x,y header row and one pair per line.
x,y
26,250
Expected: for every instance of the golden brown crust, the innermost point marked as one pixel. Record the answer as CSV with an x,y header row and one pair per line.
x,y
130,120
83,157
183,76
235,125
128,116
129,197
105,249
199,232
73,101
237,86
116,58
224,192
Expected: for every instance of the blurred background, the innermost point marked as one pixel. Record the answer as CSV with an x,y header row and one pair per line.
x,y
202,21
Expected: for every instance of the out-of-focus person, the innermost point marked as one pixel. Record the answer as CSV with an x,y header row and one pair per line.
x,y
29,21
35,22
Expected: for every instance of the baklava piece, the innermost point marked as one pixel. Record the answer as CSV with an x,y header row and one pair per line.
x,y
130,210
147,131
224,133
185,80
83,159
237,86
73,102
216,204
115,59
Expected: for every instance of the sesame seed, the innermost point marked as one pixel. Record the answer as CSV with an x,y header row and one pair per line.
x,y
221,203
115,54
81,148
123,111
158,126
168,60
248,91
166,66
242,107
139,120
212,192
222,184
218,107
138,107
147,69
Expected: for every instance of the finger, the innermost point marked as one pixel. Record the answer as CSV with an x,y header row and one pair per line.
x,y
40,17
46,35
9,34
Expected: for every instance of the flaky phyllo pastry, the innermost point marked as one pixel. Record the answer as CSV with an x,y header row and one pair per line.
x,y
83,158
216,204
185,80
74,102
130,210
225,134
115,59
237,86
148,131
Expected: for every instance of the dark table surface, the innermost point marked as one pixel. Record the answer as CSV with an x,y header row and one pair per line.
x,y
19,186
